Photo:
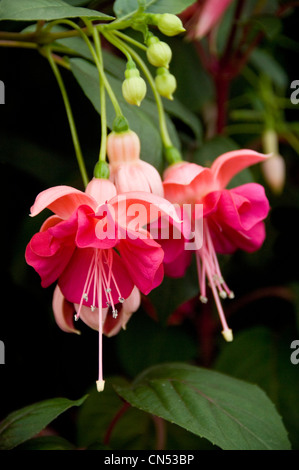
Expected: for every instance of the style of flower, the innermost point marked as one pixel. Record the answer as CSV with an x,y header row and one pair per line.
x,y
229,219
99,254
201,17
127,171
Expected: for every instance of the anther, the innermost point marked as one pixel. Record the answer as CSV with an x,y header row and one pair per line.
x,y
108,290
92,307
114,313
203,299
121,300
223,294
85,297
231,295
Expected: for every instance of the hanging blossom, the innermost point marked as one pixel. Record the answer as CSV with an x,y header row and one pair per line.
x,y
220,220
94,246
201,17
127,171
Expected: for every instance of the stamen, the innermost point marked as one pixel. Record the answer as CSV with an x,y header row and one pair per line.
x,y
89,277
114,313
121,300
208,266
100,382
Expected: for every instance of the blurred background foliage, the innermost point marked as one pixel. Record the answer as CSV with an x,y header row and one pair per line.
x,y
36,152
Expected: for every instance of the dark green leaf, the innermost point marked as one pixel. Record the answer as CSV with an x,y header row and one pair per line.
x,y
230,413
23,424
132,430
269,365
44,10
125,7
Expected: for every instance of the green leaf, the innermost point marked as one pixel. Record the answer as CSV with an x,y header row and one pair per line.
x,y
25,423
232,414
125,7
131,431
275,373
45,10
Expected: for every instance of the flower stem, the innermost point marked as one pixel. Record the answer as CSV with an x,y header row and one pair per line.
x,y
70,117
97,43
162,121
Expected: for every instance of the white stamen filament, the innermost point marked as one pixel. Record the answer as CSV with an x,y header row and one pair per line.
x,y
97,279
208,266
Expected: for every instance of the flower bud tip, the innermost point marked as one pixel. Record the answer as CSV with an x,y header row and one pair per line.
x,y
228,335
100,385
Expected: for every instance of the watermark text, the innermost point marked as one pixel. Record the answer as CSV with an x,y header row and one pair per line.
x,y
295,354
2,92
2,353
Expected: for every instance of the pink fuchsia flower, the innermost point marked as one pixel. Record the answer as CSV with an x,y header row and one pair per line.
x,y
230,219
97,252
201,17
127,171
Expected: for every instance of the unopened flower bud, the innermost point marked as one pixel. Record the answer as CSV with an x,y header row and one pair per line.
x,y
158,52
165,83
133,87
274,167
169,24
123,147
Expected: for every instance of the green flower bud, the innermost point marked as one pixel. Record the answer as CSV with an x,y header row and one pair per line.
x,y
101,170
169,24
165,83
133,87
158,52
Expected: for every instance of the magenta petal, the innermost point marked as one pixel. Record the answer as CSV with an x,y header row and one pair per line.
x,y
255,193
48,257
227,241
96,230
144,261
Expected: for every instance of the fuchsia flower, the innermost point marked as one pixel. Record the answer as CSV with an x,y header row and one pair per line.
x,y
98,253
232,219
202,16
127,171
